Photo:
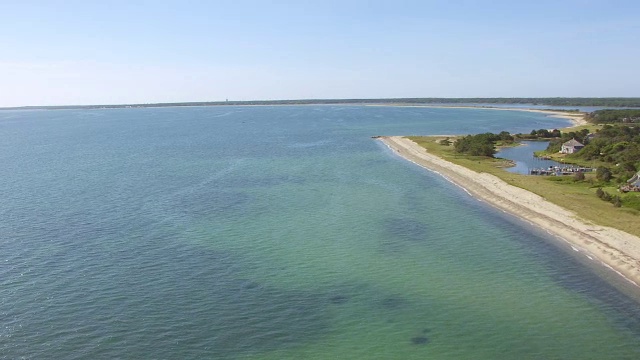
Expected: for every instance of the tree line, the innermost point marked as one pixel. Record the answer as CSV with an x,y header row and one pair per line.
x,y
608,116
616,145
481,144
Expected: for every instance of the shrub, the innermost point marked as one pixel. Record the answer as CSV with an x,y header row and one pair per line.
x,y
603,174
617,202
477,145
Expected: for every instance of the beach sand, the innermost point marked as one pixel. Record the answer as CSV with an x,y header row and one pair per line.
x,y
576,118
615,249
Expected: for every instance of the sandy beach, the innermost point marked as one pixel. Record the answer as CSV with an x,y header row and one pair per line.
x,y
615,249
576,118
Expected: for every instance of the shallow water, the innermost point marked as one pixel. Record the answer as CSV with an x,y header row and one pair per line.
x,y
275,233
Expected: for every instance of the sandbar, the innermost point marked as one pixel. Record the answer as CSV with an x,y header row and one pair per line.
x,y
577,118
616,249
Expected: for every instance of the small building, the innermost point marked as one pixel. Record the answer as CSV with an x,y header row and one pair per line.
x,y
632,184
571,146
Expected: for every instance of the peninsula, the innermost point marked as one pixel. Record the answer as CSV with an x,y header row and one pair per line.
x,y
614,248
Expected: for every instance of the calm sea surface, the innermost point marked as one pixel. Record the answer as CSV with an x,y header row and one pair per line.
x,y
277,233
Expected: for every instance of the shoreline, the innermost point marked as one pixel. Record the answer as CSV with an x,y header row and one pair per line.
x,y
577,119
613,248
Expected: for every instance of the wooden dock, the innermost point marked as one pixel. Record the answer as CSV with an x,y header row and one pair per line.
x,y
559,171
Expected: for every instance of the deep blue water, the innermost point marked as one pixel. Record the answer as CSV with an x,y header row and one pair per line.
x,y
278,232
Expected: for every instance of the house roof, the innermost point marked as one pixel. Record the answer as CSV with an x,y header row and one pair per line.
x,y
635,180
573,143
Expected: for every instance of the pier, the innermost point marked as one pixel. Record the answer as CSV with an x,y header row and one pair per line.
x,y
560,170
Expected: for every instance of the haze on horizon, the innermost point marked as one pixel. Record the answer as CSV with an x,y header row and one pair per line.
x,y
124,52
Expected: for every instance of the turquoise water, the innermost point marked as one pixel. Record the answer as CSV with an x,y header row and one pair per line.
x,y
277,233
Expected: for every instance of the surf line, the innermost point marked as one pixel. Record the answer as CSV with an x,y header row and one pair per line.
x,y
396,153
583,251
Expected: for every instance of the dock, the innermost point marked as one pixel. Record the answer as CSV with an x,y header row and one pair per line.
x,y
560,170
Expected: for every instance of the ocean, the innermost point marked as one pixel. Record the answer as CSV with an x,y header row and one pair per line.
x,y
278,232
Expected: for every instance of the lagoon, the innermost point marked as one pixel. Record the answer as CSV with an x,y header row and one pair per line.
x,y
524,159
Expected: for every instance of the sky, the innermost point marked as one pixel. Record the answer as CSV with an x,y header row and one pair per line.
x,y
129,52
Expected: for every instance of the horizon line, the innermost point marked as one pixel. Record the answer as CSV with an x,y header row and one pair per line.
x,y
632,102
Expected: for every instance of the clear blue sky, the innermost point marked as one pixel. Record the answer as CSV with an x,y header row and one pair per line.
x,y
111,52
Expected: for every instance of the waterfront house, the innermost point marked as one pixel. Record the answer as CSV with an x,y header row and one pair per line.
x,y
571,146
632,184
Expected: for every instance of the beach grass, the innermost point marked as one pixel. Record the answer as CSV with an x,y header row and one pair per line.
x,y
578,197
593,128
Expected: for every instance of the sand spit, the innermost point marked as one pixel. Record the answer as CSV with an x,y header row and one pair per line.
x,y
614,248
576,118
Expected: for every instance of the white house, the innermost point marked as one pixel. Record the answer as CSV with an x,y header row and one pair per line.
x,y
571,146
632,184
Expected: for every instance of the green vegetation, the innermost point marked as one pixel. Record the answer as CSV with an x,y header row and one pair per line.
x,y
481,144
591,128
541,134
555,144
615,148
609,116
579,196
603,174
614,199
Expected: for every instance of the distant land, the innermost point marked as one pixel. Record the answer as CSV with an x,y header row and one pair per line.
x,y
555,101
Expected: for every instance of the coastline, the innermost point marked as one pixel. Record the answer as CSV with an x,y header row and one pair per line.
x,y
577,119
614,248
